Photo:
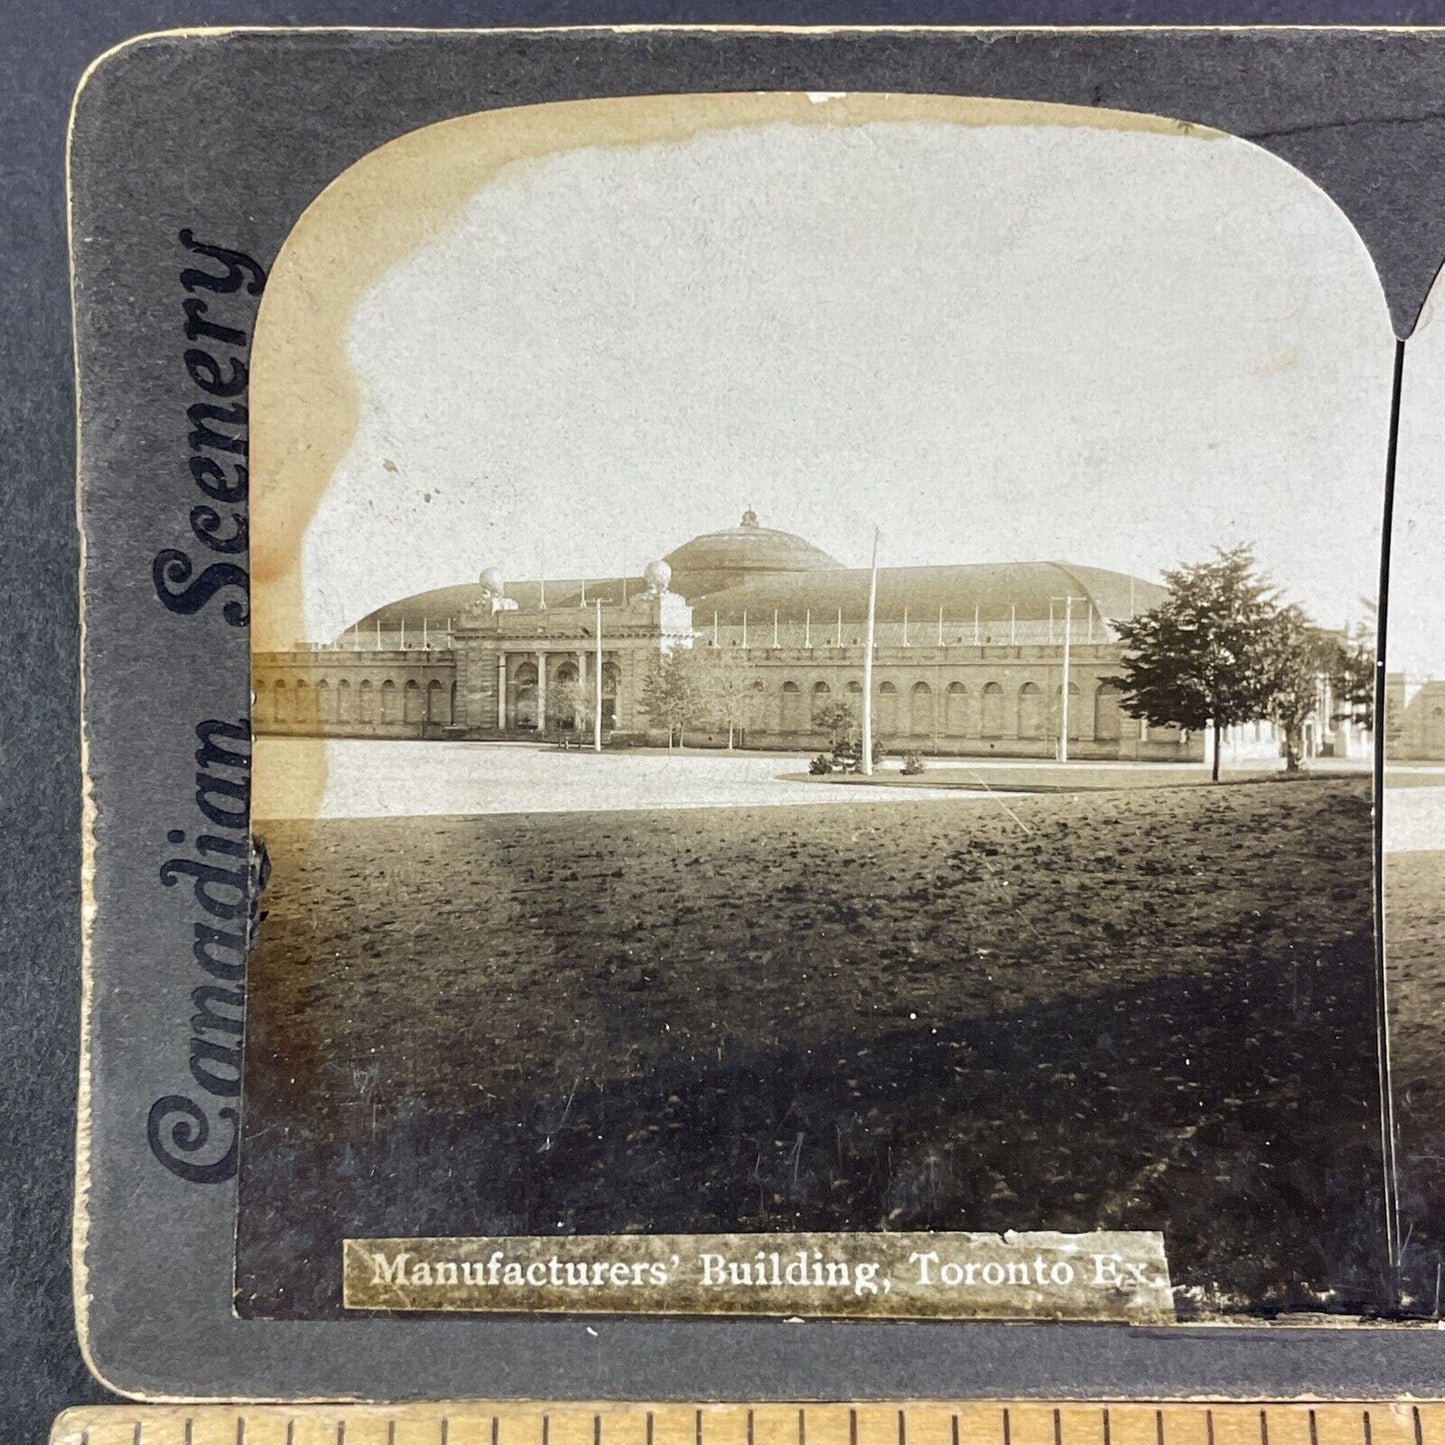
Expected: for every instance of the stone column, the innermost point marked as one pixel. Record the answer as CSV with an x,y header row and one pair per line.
x,y
541,690
502,719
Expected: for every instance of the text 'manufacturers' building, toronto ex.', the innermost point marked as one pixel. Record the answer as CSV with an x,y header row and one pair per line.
x,y
969,660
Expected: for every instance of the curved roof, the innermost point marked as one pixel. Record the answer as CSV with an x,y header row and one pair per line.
x,y
442,603
718,559
1030,590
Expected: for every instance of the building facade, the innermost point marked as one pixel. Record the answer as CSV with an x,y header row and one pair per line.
x,y
968,660
1414,719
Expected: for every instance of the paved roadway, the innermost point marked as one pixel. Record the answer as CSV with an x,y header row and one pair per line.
x,y
371,778
1414,807
383,778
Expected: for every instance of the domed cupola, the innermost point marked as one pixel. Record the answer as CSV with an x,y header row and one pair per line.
x,y
745,553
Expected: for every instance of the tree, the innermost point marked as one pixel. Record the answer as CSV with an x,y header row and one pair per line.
x,y
1298,655
1352,672
672,695
726,696
576,700
1202,658
839,720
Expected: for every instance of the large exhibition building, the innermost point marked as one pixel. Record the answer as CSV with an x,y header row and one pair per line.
x,y
968,660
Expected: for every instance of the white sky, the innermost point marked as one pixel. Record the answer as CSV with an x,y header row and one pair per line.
x,y
1002,343
1415,629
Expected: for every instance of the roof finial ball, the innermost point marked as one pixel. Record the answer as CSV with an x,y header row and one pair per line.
x,y
750,518
657,576
492,582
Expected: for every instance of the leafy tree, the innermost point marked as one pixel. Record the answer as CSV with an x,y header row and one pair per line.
x,y
725,693
1203,657
1299,655
1352,672
672,694
575,705
839,720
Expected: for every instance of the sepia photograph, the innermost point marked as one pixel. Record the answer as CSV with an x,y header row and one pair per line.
x,y
813,679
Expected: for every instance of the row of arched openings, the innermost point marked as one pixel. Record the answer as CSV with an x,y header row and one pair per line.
x,y
988,712
301,702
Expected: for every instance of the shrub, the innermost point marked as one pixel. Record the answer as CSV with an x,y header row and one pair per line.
x,y
912,764
820,765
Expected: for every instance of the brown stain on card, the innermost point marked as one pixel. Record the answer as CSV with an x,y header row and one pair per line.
x,y
306,401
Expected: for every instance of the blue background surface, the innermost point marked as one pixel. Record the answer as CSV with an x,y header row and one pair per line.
x,y
43,50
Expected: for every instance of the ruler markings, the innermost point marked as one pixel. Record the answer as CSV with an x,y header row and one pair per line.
x,y
842,1423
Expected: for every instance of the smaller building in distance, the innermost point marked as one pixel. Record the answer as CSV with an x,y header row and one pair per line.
x,y
1414,719
969,660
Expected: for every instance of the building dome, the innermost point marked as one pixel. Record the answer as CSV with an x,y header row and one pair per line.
x,y
657,576
491,581
742,553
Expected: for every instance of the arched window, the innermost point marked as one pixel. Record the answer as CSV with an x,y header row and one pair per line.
x,y
991,711
452,705
524,711
303,705
822,698
411,702
920,711
1108,716
790,719
436,708
887,710
345,702
955,710
610,678
388,701
1432,735
325,702
365,702
281,701
1031,711
856,688
1075,709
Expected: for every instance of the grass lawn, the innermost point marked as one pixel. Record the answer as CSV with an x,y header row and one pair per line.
x,y
1140,1009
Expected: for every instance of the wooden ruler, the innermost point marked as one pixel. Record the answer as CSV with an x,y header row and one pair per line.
x,y
990,1422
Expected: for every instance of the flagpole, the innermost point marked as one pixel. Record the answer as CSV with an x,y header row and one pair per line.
x,y
597,714
865,763
1064,691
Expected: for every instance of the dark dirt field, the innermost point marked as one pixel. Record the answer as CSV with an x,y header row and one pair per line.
x,y
1150,1009
1415,948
